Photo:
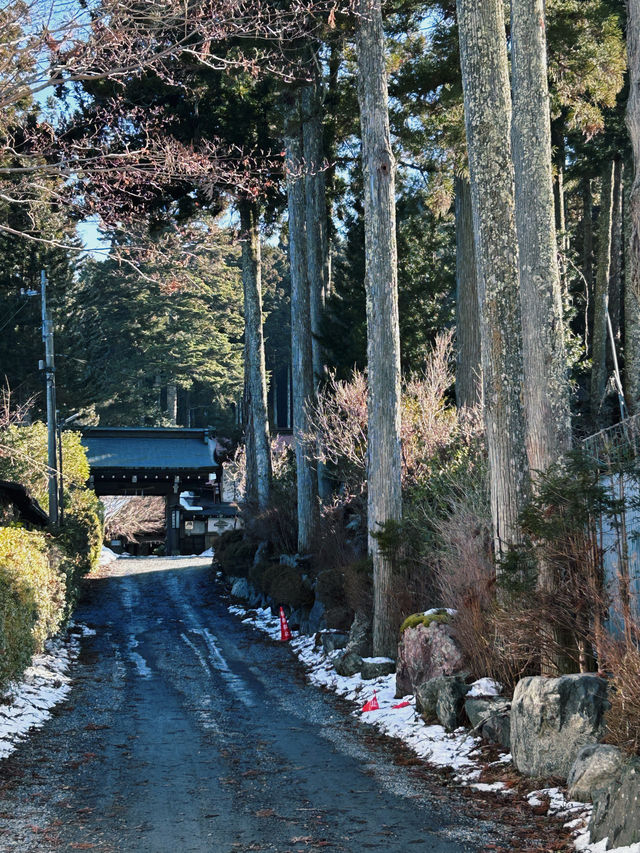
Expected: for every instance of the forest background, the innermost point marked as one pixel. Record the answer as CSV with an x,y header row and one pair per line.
x,y
239,164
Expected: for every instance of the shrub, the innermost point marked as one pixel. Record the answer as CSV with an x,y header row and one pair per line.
x,y
234,553
330,588
80,539
621,660
24,459
268,576
288,587
31,598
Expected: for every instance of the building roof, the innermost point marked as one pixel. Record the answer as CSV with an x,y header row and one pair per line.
x,y
27,507
149,448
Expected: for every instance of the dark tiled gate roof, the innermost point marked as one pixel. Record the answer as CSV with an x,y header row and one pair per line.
x,y
149,448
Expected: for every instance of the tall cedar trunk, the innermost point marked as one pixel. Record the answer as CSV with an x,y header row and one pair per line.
x,y
587,254
383,335
172,403
615,273
468,367
316,232
546,389
251,468
257,423
301,355
487,107
601,300
559,159
632,281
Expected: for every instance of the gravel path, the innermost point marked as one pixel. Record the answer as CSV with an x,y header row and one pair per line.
x,y
187,731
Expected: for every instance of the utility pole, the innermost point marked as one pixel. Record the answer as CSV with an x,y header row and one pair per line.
x,y
49,368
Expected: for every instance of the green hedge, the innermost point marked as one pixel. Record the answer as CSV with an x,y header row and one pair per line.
x,y
80,539
32,598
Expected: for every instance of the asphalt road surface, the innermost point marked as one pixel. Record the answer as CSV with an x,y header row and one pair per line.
x,y
189,732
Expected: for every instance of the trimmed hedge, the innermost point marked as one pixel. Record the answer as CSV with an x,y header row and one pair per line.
x,y
234,553
80,540
32,599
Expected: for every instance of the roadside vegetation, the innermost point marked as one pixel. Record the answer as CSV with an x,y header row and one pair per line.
x,y
41,569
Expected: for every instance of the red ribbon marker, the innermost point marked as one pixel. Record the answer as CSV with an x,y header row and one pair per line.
x,y
285,633
371,705
401,705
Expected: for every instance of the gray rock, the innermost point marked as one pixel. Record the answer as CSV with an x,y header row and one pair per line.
x,y
376,667
552,719
450,704
426,698
262,552
288,560
490,717
442,699
360,636
616,808
595,767
348,664
425,653
240,588
317,620
332,640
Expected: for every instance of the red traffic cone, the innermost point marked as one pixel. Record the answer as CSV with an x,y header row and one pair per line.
x,y
372,704
285,633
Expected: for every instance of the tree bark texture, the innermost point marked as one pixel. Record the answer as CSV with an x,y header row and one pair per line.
x,y
301,354
546,387
587,253
257,423
615,273
468,358
316,234
383,334
487,107
632,282
315,215
601,299
172,403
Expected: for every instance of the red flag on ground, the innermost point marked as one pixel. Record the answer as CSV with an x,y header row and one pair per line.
x,y
285,633
401,705
372,704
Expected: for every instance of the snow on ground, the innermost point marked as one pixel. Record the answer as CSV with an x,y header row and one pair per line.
x,y
398,718
45,683
107,556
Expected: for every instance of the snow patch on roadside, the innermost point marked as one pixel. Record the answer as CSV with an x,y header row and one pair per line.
x,y
27,704
431,742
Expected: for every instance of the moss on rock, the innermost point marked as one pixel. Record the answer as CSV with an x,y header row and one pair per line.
x,y
439,617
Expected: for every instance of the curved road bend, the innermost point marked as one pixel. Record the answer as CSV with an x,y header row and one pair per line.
x,y
188,732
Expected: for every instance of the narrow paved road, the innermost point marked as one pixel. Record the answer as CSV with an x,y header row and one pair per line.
x,y
188,731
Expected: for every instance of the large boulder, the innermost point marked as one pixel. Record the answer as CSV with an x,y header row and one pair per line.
x,y
552,719
348,664
361,636
317,617
333,640
377,667
442,699
595,767
616,808
490,717
240,588
426,651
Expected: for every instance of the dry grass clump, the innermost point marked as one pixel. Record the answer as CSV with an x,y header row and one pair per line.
x,y
620,658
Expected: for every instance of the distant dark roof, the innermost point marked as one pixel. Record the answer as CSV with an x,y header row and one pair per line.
x,y
28,508
137,448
